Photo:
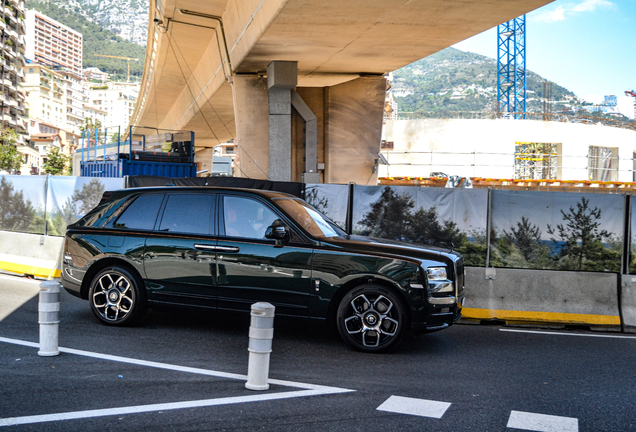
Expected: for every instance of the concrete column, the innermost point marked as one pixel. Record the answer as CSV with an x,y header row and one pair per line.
x,y
353,130
252,125
282,77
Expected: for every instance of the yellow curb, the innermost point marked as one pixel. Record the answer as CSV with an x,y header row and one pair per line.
x,y
41,272
545,317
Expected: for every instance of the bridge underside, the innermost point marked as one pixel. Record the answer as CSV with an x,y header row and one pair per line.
x,y
206,71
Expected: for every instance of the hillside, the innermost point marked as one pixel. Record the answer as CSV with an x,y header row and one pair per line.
x,y
97,40
454,80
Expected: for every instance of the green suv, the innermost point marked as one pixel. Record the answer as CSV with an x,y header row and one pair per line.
x,y
224,248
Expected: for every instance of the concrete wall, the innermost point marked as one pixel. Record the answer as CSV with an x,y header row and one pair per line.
x,y
354,130
628,303
30,254
251,110
485,148
540,296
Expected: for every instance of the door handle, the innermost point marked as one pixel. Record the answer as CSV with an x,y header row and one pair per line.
x,y
217,248
205,247
228,249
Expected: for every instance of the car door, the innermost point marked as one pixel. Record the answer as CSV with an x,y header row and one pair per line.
x,y
252,268
180,254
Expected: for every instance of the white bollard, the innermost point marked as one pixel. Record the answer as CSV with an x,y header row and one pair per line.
x,y
260,345
49,318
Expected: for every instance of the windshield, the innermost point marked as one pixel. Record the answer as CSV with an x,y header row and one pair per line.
x,y
315,223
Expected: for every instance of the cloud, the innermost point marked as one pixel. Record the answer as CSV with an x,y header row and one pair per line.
x,y
567,10
592,5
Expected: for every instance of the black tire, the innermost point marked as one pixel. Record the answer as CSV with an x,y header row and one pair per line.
x,y
371,318
117,297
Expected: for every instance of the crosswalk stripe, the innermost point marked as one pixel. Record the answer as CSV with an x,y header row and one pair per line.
x,y
412,406
542,422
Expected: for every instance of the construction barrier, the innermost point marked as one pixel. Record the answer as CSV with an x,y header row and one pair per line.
x,y
628,303
542,297
30,254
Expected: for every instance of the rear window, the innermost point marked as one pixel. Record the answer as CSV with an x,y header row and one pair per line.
x,y
141,214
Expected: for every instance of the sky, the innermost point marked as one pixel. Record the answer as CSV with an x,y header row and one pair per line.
x,y
586,46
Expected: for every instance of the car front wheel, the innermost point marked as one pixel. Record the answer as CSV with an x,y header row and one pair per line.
x,y
371,318
116,298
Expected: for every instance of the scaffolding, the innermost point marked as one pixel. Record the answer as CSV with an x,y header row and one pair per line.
x,y
511,68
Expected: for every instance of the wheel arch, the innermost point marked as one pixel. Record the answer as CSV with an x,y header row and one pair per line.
x,y
102,264
348,286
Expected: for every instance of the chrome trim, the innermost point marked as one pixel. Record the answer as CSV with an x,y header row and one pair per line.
x,y
205,247
227,249
217,248
442,300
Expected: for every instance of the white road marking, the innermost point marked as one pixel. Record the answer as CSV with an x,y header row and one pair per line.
x,y
568,334
308,390
542,422
412,406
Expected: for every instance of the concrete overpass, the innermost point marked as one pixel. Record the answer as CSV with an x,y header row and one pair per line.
x,y
298,84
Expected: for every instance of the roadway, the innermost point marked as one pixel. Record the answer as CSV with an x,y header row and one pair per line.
x,y
182,372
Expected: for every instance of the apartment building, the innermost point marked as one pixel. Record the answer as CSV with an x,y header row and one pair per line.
x,y
12,96
94,74
45,90
53,44
117,100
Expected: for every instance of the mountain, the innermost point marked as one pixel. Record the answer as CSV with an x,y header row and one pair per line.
x,y
97,39
454,80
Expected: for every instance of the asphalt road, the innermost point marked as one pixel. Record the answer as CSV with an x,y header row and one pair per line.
x,y
186,372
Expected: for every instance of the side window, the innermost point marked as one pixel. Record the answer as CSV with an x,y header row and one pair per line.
x,y
141,214
187,213
245,217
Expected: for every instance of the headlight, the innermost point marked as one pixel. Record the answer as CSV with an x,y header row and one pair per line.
x,y
436,273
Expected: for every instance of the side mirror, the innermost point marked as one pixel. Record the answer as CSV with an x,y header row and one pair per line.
x,y
278,231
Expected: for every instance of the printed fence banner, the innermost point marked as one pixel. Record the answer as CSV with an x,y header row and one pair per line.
x,y
70,198
557,230
331,200
22,203
632,257
454,218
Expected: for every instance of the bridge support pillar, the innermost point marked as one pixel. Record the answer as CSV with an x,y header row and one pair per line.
x,y
282,77
277,142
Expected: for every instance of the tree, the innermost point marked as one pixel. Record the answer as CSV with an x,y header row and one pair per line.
x,y
10,159
90,125
90,195
581,236
392,217
389,217
425,227
56,162
321,204
16,212
527,239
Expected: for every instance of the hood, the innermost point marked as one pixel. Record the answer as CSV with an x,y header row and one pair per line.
x,y
364,244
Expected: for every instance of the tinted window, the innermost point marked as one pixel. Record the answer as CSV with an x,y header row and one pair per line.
x,y
309,218
187,213
140,214
245,217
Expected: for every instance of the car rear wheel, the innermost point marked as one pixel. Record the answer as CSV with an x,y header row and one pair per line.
x,y
371,318
116,298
